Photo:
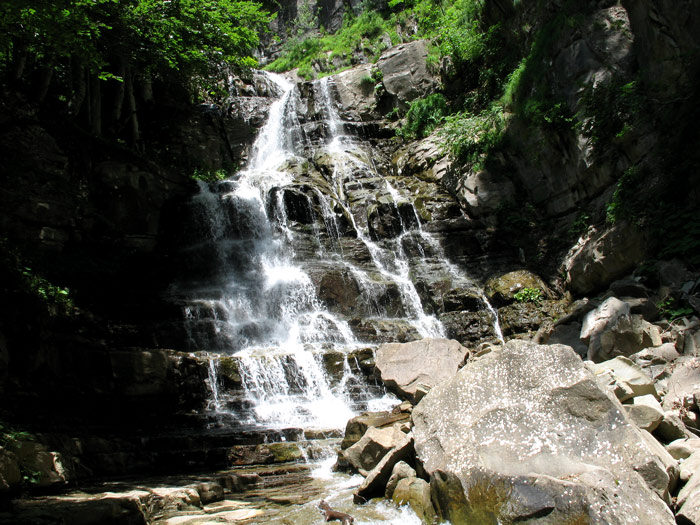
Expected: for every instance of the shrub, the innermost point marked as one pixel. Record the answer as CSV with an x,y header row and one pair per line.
x,y
528,295
423,116
470,138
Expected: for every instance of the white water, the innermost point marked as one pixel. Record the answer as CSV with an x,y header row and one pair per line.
x,y
262,308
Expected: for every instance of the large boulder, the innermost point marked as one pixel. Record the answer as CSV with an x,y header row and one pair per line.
x,y
377,479
502,289
364,455
683,383
611,331
357,426
411,369
603,258
405,72
355,93
528,435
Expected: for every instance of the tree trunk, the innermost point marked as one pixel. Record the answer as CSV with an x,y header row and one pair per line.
x,y
119,94
78,86
46,76
19,60
96,105
132,114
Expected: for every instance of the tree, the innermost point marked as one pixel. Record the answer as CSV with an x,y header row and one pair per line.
x,y
78,49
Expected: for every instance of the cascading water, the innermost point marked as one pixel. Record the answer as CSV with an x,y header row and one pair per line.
x,y
261,306
268,241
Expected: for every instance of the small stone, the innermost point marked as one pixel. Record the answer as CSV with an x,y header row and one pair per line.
x,y
690,466
683,448
671,428
646,412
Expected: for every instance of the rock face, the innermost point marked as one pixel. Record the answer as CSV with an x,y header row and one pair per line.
x,y
604,257
411,369
526,433
405,72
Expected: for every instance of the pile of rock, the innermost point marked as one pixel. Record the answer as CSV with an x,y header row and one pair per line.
x,y
531,432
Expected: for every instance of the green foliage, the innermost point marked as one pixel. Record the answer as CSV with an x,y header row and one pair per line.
x,y
671,309
612,108
46,291
460,34
580,225
209,175
470,138
423,116
30,281
186,40
9,433
528,295
621,204
332,52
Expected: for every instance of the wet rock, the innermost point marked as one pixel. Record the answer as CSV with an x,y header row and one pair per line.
x,y
522,318
375,483
364,455
459,299
604,257
264,454
416,493
515,456
401,470
469,327
357,426
389,219
404,368
383,330
405,74
502,289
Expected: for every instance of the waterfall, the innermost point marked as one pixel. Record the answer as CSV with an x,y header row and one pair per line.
x,y
267,239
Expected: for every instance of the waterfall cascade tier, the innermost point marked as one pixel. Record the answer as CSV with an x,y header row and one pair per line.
x,y
311,254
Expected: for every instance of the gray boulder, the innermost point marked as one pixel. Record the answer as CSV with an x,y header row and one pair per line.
x,y
645,412
611,331
683,384
416,493
628,374
401,470
377,479
604,257
364,455
405,72
528,434
355,93
411,369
